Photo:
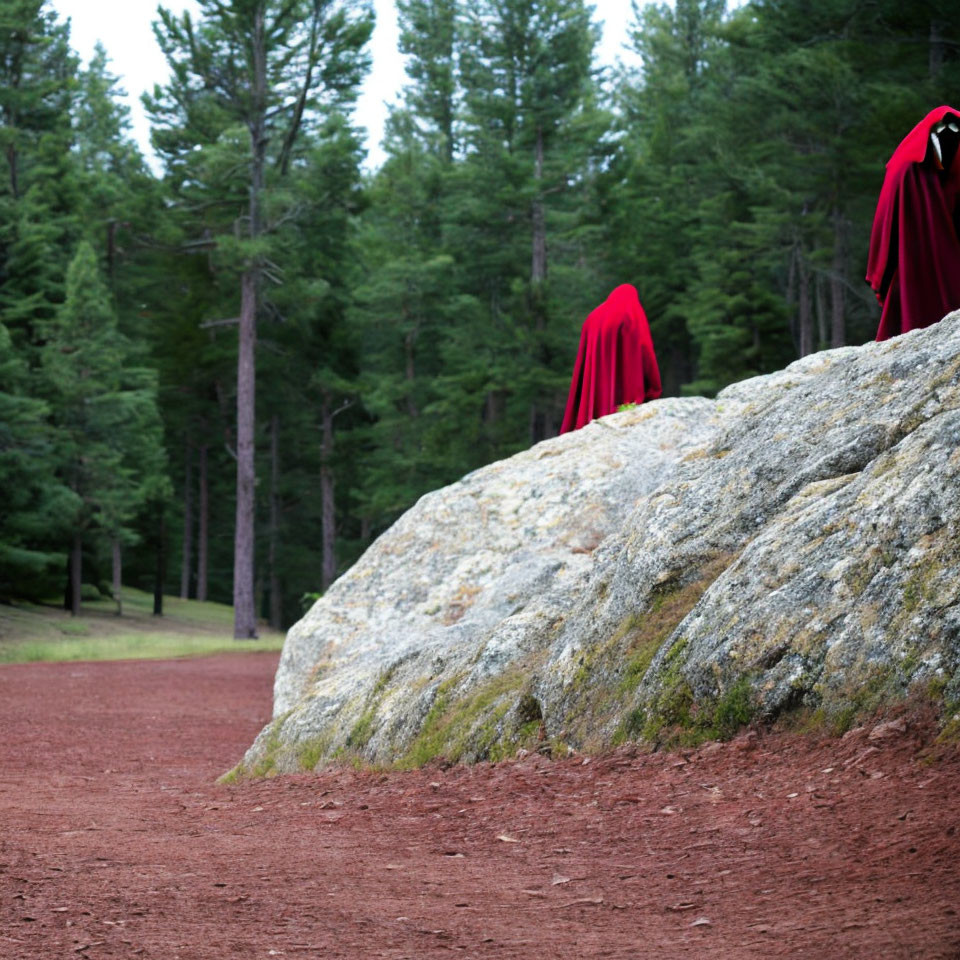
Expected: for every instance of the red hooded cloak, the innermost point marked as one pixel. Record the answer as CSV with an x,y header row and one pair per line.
x,y
914,261
615,364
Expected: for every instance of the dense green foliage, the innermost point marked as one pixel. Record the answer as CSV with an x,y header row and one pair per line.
x,y
418,321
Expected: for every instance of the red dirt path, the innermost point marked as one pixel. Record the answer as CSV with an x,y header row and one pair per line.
x,y
115,842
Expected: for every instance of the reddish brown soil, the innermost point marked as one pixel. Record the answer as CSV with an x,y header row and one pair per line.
x,y
115,840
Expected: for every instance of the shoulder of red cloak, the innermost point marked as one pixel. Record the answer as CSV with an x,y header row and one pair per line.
x,y
911,149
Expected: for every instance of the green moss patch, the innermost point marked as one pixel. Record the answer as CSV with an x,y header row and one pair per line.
x,y
610,672
950,724
266,765
312,751
675,718
919,585
361,732
476,726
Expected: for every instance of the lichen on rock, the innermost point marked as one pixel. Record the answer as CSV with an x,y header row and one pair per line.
x,y
670,570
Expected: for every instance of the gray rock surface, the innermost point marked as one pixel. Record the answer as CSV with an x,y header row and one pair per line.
x,y
668,571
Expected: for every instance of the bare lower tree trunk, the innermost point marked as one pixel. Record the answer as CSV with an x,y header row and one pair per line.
x,y
822,334
538,279
204,526
805,312
244,612
187,524
494,406
538,266
838,329
118,575
276,605
328,569
160,574
409,343
112,252
244,603
76,573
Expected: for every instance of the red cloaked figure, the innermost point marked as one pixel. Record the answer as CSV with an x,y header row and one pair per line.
x,y
615,364
914,261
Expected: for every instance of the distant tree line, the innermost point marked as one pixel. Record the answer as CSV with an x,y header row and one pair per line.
x,y
235,375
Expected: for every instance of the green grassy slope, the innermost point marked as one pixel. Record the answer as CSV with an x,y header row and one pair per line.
x,y
30,632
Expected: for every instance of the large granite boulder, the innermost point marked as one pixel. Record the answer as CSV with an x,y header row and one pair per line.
x,y
668,572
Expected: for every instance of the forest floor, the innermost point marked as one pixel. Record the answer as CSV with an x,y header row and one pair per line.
x,y
117,842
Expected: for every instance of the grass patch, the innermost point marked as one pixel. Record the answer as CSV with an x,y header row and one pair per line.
x,y
31,632
950,724
232,776
312,751
867,694
631,728
675,718
431,740
734,710
877,689
266,765
361,732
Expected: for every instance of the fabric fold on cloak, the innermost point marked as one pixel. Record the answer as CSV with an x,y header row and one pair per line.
x,y
914,261
615,364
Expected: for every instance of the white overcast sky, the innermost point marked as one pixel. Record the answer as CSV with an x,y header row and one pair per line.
x,y
123,27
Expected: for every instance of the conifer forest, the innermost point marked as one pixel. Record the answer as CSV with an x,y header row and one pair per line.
x,y
225,375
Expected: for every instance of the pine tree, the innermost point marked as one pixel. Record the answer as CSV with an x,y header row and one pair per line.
x,y
429,39
529,126
34,501
103,408
38,186
651,190
120,197
248,78
311,358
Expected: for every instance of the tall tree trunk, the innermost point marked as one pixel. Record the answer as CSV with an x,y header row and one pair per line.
x,y
805,312
838,329
244,612
538,278
204,526
112,253
538,266
494,406
76,573
244,608
276,604
409,342
14,180
328,569
68,582
823,336
118,575
160,574
187,524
